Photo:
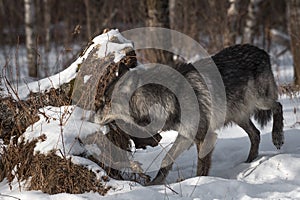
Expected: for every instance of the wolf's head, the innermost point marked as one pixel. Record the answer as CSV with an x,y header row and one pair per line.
x,y
114,104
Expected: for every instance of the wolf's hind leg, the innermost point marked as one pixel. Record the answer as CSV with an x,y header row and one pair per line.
x,y
254,136
277,131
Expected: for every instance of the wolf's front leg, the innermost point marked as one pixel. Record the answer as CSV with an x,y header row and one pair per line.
x,y
181,144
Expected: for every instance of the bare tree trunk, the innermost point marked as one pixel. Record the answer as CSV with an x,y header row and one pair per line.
x,y
293,10
216,25
195,26
158,13
189,18
231,29
172,13
251,21
88,18
47,22
29,30
158,16
176,9
2,9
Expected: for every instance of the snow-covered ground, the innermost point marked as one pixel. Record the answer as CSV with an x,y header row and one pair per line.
x,y
275,174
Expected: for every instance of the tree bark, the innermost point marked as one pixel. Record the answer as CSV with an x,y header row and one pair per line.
x,y
194,25
29,31
216,25
158,16
172,13
293,10
158,13
88,18
251,21
47,23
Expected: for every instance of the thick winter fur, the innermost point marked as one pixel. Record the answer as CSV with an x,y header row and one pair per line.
x,y
250,91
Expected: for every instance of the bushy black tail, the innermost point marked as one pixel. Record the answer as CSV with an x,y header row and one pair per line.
x,y
263,117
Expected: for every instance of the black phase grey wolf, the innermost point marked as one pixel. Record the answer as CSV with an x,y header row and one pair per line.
x,y
250,91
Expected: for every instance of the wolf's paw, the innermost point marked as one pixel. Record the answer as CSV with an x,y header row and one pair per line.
x,y
278,139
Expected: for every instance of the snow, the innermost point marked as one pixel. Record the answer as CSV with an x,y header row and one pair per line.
x,y
275,174
74,126
86,78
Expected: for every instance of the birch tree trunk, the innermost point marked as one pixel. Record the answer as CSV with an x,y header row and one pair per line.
x,y
251,21
293,10
29,31
231,29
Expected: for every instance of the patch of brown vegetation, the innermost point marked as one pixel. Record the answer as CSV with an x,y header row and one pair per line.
x,y
48,173
16,116
289,89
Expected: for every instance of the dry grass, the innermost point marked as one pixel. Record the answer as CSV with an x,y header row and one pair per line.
x,y
48,173
290,89
293,92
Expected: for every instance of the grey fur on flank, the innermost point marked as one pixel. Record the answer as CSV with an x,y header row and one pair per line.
x,y
250,91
